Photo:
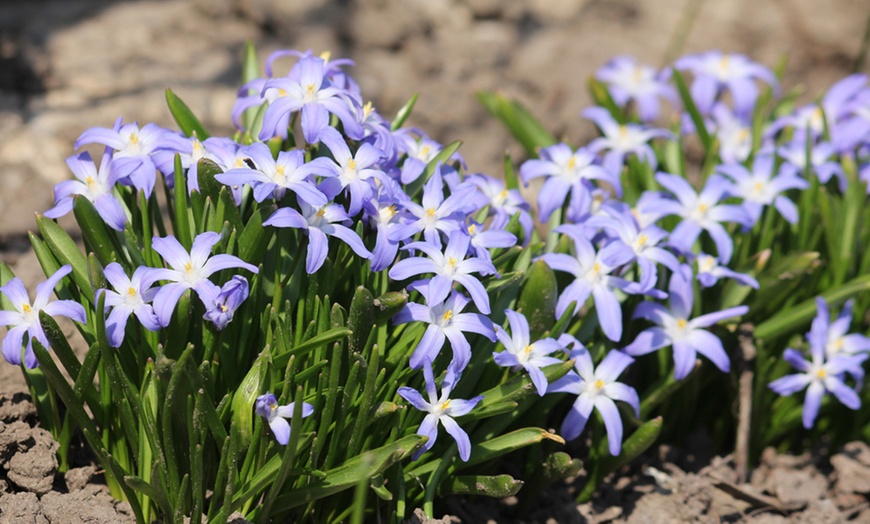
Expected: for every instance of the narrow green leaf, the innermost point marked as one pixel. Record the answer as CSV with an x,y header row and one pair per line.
x,y
510,173
538,298
95,231
352,471
254,239
247,393
496,486
522,125
206,170
67,252
786,322
187,121
404,112
360,318
280,361
697,119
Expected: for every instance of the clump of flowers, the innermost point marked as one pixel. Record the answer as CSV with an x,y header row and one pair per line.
x,y
263,310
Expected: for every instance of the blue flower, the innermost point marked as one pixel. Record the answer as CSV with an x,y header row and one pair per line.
x,y
319,222
446,321
715,72
676,329
441,409
627,81
274,177
709,272
25,317
224,305
596,389
593,276
189,271
759,188
620,140
131,296
448,267
308,89
701,212
276,416
825,372
95,185
567,172
521,353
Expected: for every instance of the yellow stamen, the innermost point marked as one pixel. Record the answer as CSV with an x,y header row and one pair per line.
x,y
325,56
681,323
279,170
424,152
623,132
131,291
572,163
367,109
321,212
821,373
430,212
351,164
758,186
134,139
642,239
599,384
224,308
447,314
444,405
503,194
528,349
472,228
310,89
26,308
451,262
188,267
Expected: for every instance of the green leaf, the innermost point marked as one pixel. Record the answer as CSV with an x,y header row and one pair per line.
x,y
247,393
388,304
538,299
250,71
496,486
601,97
350,473
187,121
522,125
510,173
558,466
404,112
254,238
183,231
206,170
697,119
518,388
94,231
788,321
66,251
360,319
280,361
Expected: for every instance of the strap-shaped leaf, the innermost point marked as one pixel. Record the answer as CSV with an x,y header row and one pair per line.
x,y
66,251
95,232
522,125
187,121
404,112
496,486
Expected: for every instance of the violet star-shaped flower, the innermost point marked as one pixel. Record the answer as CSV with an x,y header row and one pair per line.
x,y
276,416
597,388
835,334
441,409
709,272
446,322
130,141
759,188
620,140
308,90
448,267
715,72
592,276
357,172
824,373
521,352
676,329
25,317
95,185
273,177
628,81
319,222
567,171
701,212
189,271
130,296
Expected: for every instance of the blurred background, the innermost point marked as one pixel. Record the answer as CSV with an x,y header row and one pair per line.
x,y
67,65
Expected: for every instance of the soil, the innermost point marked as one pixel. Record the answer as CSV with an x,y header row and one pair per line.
x,y
66,65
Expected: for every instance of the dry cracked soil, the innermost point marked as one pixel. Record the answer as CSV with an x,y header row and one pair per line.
x,y
67,65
